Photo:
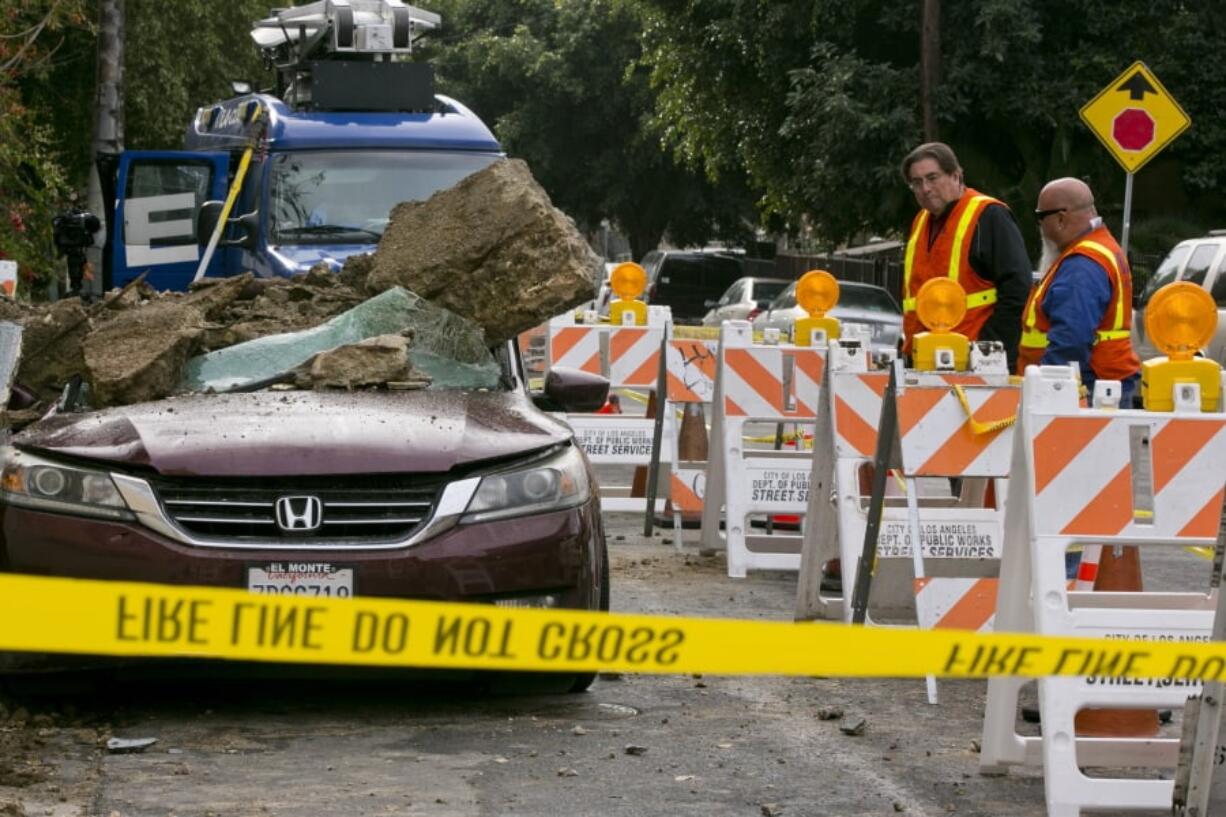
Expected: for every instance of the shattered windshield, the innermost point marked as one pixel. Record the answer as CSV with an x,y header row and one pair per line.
x,y
395,339
345,196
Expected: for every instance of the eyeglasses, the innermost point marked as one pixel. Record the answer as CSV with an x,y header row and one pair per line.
x,y
925,181
1042,214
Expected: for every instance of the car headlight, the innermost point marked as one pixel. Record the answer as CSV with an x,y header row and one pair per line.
x,y
28,481
550,485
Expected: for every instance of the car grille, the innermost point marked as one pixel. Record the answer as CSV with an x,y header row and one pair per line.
x,y
355,510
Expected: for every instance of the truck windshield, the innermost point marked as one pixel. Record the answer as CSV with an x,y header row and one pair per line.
x,y
345,196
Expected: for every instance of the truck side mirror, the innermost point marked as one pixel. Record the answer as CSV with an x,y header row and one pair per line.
x,y
206,223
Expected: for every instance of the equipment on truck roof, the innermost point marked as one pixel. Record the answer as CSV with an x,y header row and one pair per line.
x,y
348,55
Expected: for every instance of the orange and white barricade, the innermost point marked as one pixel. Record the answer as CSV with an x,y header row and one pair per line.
x,y
1104,477
765,384
691,366
629,356
949,425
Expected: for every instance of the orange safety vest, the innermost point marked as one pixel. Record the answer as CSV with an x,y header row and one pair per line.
x,y
950,255
1112,356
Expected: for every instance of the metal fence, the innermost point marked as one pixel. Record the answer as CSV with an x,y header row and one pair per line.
x,y
884,270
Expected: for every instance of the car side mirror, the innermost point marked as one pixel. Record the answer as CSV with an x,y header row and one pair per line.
x,y
206,222
573,390
709,304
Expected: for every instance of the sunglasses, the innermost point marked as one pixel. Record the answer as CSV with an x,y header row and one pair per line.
x,y
1042,214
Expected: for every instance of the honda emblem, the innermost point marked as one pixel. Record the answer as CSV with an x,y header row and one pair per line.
x,y
299,514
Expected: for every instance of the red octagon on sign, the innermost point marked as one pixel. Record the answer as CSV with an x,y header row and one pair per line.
x,y
1133,129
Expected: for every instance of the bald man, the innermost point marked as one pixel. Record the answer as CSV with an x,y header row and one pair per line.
x,y
1081,312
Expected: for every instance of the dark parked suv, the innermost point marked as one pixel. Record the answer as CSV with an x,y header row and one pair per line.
x,y
461,494
685,281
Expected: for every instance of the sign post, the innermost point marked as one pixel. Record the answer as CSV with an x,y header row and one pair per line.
x,y
1134,117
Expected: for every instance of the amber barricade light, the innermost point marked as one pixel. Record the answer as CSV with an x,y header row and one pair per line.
x,y
628,281
940,306
1180,320
817,292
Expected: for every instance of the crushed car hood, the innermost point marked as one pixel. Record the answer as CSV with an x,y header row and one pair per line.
x,y
303,433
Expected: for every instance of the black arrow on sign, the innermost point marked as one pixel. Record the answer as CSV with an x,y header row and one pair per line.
x,y
1137,86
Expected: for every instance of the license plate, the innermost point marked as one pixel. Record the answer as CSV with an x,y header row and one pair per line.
x,y
301,579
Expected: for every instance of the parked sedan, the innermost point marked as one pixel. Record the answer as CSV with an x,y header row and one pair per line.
x,y
865,304
466,493
744,300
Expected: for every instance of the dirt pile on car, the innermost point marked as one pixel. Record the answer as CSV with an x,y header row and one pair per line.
x,y
133,344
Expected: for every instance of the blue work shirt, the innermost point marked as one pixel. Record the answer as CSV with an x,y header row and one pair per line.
x,y
1075,302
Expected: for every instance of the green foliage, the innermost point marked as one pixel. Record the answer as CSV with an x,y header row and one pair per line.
x,y
178,59
818,100
559,82
32,179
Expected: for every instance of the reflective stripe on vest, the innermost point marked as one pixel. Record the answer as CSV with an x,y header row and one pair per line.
x,y
1038,340
1035,339
973,207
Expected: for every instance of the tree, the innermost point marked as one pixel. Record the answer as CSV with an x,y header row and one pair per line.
x,y
32,177
108,114
182,59
819,100
561,85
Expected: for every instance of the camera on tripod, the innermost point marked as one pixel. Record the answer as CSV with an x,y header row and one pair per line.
x,y
72,231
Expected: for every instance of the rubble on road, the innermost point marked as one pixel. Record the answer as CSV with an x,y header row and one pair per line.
x,y
468,269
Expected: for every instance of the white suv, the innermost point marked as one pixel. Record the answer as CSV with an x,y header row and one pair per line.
x,y
1201,261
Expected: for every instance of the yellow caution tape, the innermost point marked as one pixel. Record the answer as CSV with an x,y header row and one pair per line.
x,y
766,438
50,615
712,333
1204,553
977,428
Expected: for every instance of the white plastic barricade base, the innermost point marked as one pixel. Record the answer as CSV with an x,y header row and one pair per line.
x,y
1104,477
771,384
937,439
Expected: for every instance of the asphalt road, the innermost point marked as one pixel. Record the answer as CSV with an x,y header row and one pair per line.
x,y
633,745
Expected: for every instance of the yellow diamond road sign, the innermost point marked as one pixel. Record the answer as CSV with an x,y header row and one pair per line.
x,y
1135,117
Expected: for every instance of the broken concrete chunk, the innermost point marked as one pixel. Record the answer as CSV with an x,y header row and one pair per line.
x,y
118,746
493,249
51,347
366,363
854,727
141,358
829,713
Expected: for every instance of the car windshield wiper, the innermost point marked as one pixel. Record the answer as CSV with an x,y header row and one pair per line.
x,y
327,229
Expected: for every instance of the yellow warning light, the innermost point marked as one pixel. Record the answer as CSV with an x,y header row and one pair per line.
x,y
628,280
817,292
1181,319
940,304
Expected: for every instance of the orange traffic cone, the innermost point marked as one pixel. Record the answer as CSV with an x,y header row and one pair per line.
x,y
1118,573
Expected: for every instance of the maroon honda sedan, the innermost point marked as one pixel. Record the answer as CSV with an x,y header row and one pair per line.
x,y
456,494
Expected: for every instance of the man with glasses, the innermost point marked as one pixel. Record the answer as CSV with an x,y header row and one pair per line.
x,y
969,237
1081,312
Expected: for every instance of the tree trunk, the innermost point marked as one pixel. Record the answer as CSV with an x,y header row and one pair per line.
x,y
108,120
930,65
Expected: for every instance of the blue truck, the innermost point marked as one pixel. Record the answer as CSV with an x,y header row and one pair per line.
x,y
312,169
